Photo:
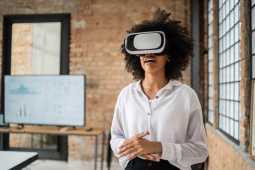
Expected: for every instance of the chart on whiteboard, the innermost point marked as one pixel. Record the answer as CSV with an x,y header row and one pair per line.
x,y
48,100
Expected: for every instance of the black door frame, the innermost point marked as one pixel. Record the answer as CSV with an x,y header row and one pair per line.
x,y
195,64
62,141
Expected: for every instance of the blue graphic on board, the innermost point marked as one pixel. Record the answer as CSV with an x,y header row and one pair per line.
x,y
49,100
22,90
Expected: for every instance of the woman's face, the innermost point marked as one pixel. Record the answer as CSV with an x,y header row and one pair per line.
x,y
153,64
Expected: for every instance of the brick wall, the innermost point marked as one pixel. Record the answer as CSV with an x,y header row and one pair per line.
x,y
224,154
97,30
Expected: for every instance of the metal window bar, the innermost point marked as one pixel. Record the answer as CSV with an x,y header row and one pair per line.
x,y
253,38
210,63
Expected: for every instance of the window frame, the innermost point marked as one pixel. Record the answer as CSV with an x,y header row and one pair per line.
x,y
61,153
252,80
225,29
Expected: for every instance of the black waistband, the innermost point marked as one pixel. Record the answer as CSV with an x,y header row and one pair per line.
x,y
141,164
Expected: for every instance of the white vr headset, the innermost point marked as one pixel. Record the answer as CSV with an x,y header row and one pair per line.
x,y
151,42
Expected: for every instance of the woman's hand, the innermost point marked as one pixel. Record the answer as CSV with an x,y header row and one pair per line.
x,y
152,157
138,146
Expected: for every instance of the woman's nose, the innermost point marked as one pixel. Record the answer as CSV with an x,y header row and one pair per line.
x,y
148,55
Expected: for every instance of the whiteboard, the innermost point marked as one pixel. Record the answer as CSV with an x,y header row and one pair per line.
x,y
45,100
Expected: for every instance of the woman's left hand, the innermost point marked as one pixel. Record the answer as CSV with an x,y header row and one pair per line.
x,y
139,146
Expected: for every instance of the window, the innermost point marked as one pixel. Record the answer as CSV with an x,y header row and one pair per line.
x,y
229,67
36,44
210,63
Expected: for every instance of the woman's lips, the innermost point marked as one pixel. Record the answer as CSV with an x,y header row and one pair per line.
x,y
149,61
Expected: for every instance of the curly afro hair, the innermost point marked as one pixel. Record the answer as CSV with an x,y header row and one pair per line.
x,y
178,47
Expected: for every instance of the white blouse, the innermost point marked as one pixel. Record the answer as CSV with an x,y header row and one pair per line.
x,y
173,118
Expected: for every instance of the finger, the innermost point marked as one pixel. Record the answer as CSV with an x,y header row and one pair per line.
x,y
133,139
148,157
125,148
125,142
128,144
156,156
152,157
141,135
127,152
137,143
134,154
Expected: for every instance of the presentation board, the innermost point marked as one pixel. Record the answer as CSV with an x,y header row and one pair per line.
x,y
46,100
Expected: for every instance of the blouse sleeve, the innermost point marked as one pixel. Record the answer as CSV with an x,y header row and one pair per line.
x,y
117,133
194,151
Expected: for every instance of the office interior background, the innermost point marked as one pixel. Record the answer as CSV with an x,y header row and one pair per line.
x,y
221,70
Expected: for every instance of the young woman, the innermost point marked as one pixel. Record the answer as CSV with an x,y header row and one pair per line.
x,y
157,122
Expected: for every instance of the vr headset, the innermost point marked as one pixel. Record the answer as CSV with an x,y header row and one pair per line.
x,y
151,42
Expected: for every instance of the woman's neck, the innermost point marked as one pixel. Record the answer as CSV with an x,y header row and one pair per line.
x,y
152,83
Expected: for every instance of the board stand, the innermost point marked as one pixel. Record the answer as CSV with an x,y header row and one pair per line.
x,y
20,126
73,128
64,128
61,130
88,129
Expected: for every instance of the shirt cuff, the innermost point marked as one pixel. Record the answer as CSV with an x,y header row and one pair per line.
x,y
123,161
173,153
118,147
169,152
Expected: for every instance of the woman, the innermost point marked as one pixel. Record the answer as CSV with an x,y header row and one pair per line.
x,y
157,122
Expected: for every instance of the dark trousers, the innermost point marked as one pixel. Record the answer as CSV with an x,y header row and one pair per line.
x,y
141,164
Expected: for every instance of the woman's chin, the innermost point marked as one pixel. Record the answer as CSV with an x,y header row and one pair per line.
x,y
154,71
